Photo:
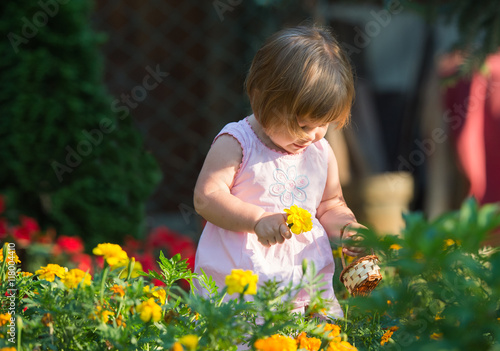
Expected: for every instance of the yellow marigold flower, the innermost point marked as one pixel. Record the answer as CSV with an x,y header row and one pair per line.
x,y
436,336
149,310
117,289
4,319
337,345
76,276
395,247
50,272
25,274
238,279
276,343
387,335
156,292
299,220
190,341
124,264
449,242
8,349
309,344
112,253
11,254
177,346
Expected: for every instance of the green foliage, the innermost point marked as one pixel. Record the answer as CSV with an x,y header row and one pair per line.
x,y
68,158
440,291
443,288
106,314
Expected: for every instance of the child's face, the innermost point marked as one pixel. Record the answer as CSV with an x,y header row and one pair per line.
x,y
283,139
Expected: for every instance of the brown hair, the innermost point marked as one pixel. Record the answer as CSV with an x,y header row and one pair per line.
x,y
300,72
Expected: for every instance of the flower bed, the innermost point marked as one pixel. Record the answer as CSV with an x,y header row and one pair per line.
x,y
440,292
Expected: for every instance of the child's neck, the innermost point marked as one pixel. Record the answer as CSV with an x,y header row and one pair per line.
x,y
261,134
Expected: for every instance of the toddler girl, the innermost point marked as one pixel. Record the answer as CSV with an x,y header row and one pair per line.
x,y
299,83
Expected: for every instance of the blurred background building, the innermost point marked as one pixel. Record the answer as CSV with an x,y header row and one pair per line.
x,y
206,48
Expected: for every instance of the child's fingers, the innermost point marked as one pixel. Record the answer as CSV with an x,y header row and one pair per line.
x,y
353,251
285,231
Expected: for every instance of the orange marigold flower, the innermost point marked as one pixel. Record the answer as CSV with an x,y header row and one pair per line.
x,y
337,345
387,335
436,336
102,314
177,346
117,289
395,247
276,343
4,319
309,344
47,319
120,322
335,329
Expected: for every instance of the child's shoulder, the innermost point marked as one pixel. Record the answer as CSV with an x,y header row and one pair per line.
x,y
238,130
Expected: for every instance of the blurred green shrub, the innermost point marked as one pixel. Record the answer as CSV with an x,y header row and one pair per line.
x,y
68,158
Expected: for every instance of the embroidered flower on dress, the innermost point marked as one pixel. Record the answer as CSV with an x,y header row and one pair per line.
x,y
289,186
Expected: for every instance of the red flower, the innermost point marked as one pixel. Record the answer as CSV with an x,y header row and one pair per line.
x,y
3,228
147,261
173,243
70,244
23,233
161,237
83,262
131,245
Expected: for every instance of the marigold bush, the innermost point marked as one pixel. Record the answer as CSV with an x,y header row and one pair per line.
x,y
440,292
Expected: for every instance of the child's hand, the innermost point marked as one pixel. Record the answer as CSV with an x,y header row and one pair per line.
x,y
350,231
271,229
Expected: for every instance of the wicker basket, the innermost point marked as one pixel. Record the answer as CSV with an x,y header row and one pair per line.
x,y
361,276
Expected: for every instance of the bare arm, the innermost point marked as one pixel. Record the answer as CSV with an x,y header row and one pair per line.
x,y
333,212
213,199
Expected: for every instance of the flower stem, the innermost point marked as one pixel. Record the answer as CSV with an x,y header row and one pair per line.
x,y
103,280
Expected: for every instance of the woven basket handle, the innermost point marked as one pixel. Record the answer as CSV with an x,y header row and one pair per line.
x,y
342,251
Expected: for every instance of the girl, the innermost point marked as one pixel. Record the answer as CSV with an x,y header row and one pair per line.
x,y
299,83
